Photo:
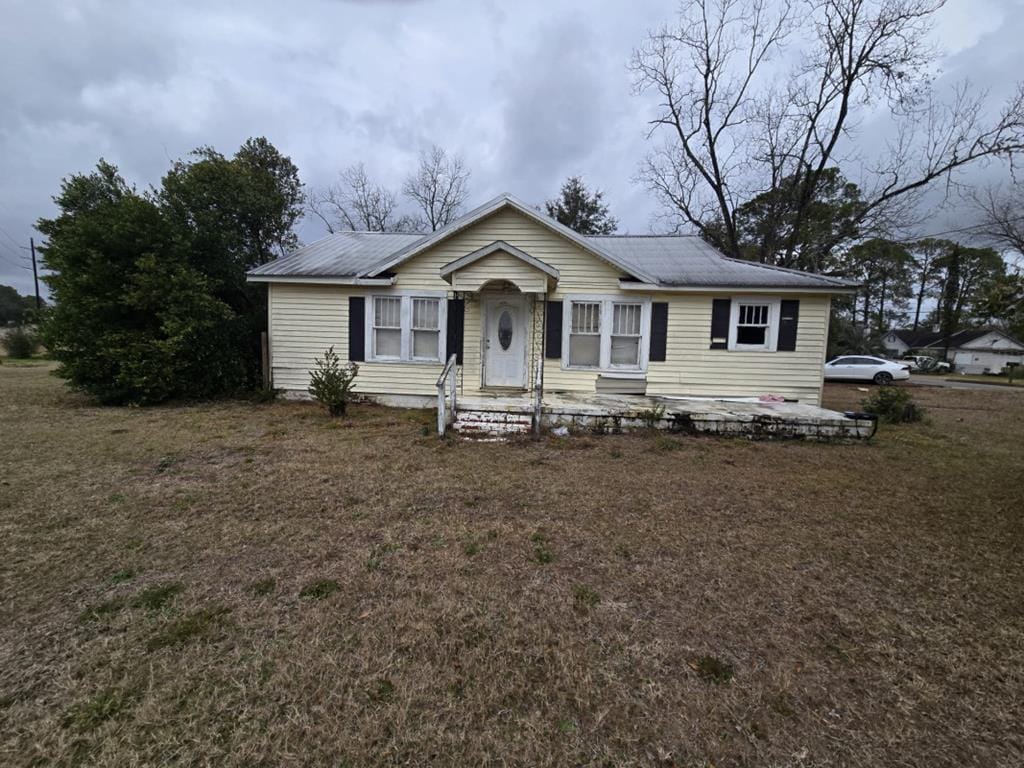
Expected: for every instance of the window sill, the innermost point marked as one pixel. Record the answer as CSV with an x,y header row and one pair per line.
x,y
398,361
615,373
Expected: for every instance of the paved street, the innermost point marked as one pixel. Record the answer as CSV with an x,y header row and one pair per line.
x,y
940,381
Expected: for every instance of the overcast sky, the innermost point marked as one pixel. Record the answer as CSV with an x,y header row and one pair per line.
x,y
527,91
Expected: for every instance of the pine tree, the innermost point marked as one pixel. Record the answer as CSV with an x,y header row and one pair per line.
x,y
581,210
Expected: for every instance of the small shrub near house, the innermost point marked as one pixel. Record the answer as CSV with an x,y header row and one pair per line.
x,y
893,405
21,342
331,382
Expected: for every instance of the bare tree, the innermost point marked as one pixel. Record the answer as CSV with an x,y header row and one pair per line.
x,y
1002,216
439,186
732,132
354,202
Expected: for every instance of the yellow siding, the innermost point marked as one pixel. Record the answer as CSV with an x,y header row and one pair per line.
x,y
500,266
692,368
307,319
580,272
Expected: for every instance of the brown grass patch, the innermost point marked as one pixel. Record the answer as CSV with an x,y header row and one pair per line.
x,y
708,601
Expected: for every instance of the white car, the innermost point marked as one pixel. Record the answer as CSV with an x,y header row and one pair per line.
x,y
864,368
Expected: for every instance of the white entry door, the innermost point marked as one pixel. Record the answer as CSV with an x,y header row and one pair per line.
x,y
505,341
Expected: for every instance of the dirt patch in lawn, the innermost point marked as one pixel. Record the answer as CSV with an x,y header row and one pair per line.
x,y
243,584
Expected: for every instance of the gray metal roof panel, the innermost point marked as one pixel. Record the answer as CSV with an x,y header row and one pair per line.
x,y
343,254
687,260
672,260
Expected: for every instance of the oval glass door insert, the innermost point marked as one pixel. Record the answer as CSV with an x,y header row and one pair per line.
x,y
505,329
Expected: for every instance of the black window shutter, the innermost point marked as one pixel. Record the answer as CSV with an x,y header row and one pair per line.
x,y
659,331
553,342
456,328
789,315
720,311
356,328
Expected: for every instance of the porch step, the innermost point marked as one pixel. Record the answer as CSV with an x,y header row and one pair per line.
x,y
491,423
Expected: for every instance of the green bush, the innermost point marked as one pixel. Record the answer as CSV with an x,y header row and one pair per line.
x,y
893,405
21,342
331,382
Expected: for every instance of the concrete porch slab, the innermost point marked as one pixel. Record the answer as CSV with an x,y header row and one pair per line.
x,y
495,414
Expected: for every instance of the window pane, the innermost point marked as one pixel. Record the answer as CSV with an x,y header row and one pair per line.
x,y
586,317
626,320
387,312
626,350
753,314
387,342
425,313
750,334
584,350
424,345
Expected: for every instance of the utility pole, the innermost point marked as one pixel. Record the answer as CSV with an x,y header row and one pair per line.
x,y
35,273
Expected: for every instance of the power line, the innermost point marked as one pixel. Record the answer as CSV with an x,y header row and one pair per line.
x,y
8,235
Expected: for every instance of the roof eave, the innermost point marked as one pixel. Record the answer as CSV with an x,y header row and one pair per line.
x,y
321,279
651,287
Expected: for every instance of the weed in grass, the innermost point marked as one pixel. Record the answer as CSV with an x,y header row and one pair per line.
x,y
102,610
566,727
623,551
165,463
666,443
538,537
542,554
90,714
263,587
585,598
126,574
115,498
384,691
186,629
318,590
377,555
156,597
615,453
714,670
471,548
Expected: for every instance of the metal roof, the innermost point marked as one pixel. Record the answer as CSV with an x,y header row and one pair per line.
x,y
343,254
687,260
666,260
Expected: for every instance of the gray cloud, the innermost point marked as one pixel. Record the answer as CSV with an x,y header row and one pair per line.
x,y
528,93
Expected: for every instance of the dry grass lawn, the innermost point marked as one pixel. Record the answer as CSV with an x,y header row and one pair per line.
x,y
258,585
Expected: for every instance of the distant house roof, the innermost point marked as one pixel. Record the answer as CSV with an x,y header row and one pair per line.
x,y
674,261
935,339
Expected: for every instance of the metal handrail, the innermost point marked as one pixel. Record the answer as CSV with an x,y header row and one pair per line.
x,y
446,386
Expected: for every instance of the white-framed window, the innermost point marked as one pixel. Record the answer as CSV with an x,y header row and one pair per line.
x,y
754,324
585,334
606,333
405,327
426,329
387,327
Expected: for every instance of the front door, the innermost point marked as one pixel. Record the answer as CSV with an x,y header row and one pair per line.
x,y
505,341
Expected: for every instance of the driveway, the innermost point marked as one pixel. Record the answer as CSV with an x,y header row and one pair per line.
x,y
940,381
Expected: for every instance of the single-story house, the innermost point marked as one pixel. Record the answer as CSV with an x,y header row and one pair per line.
x,y
527,305
975,350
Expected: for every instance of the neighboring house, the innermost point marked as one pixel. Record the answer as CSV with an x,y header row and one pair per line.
x,y
526,303
976,350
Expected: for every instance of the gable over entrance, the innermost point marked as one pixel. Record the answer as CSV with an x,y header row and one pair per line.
x,y
500,261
